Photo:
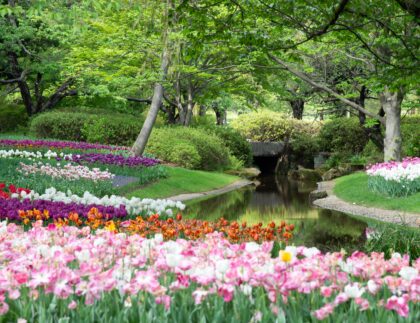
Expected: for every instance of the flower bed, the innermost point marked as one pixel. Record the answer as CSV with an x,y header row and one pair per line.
x,y
395,178
70,272
68,171
27,143
134,206
89,158
32,155
111,159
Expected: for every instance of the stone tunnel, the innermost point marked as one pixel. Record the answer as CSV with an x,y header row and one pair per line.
x,y
266,155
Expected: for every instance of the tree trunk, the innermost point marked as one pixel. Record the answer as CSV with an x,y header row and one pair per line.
x,y
190,106
391,103
202,111
146,130
373,133
220,117
297,108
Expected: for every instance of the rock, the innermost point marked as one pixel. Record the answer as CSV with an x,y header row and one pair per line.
x,y
304,174
336,172
249,173
315,195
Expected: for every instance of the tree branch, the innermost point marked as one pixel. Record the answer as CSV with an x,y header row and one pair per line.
x,y
307,79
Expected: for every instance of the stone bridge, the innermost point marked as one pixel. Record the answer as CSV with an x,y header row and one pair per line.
x,y
267,149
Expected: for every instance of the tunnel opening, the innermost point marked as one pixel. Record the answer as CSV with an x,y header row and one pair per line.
x,y
266,164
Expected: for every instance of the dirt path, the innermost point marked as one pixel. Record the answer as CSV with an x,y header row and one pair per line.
x,y
332,202
225,189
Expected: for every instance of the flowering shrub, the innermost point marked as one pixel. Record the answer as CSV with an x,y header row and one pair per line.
x,y
395,178
133,206
128,277
56,144
68,171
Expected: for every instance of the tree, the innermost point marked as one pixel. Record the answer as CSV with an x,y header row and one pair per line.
x,y
32,42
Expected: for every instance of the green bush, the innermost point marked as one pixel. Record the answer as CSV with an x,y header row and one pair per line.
x,y
263,126
59,125
237,144
410,131
113,129
344,136
12,117
189,147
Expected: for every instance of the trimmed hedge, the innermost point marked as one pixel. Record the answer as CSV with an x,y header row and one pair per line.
x,y
12,117
115,129
189,147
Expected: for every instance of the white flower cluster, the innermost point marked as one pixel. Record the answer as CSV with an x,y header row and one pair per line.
x,y
134,206
398,172
33,155
68,171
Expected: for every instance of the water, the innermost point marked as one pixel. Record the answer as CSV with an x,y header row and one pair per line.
x,y
280,199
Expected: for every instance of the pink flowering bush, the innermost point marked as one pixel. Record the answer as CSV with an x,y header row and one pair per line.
x,y
68,273
395,178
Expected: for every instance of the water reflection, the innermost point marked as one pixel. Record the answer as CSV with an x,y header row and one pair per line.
x,y
278,198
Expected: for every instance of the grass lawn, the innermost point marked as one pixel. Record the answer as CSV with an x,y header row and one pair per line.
x,y
182,180
353,188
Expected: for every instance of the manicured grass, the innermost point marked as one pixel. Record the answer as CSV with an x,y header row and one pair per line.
x,y
182,180
353,188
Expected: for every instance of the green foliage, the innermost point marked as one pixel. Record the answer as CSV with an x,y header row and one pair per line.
x,y
232,139
410,131
113,129
207,151
304,147
404,187
12,117
344,136
59,125
390,238
263,126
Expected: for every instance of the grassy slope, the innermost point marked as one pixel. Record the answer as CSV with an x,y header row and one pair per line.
x,y
182,180
353,188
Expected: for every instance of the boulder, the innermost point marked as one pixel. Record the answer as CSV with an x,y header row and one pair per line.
x,y
304,174
336,172
249,173
317,194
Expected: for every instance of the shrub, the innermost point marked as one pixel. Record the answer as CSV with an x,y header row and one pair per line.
x,y
263,126
112,129
237,144
410,131
115,129
59,125
197,148
12,116
344,136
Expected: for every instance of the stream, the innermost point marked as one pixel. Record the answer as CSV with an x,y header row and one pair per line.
x,y
281,199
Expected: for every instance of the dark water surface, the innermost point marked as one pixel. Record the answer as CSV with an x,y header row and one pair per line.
x,y
277,199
